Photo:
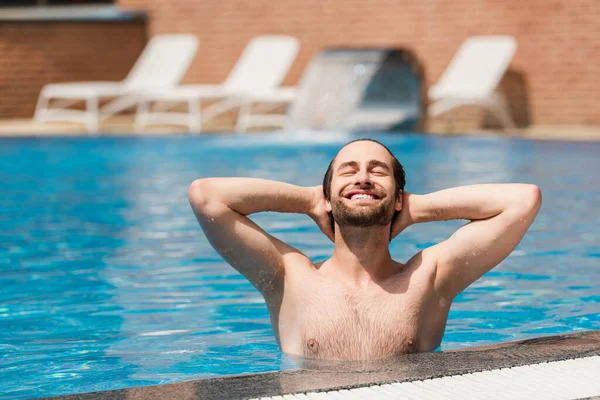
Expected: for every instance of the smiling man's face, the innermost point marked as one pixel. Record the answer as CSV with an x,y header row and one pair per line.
x,y
362,186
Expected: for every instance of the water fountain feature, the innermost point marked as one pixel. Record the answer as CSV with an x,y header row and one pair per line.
x,y
359,89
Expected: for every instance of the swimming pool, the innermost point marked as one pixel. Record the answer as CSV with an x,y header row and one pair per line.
x,y
106,281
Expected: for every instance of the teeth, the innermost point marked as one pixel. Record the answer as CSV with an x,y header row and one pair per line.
x,y
361,196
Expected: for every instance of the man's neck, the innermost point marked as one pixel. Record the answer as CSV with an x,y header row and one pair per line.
x,y
362,255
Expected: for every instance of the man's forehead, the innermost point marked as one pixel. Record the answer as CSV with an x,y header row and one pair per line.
x,y
363,151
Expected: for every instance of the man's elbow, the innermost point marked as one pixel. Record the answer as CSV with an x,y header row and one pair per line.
x,y
531,199
200,194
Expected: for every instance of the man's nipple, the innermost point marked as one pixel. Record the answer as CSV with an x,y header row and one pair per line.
x,y
313,346
411,345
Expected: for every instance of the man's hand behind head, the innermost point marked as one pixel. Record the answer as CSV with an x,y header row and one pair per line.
x,y
319,213
404,218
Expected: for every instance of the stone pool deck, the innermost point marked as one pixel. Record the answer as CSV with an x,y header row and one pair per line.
x,y
122,125
317,376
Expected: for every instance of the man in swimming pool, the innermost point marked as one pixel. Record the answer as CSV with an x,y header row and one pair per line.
x,y
361,304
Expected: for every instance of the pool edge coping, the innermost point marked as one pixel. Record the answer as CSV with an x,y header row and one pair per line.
x,y
319,375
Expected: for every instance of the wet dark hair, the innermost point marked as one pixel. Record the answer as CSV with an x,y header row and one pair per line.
x,y
397,168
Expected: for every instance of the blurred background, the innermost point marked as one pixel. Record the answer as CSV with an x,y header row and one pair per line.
x,y
551,85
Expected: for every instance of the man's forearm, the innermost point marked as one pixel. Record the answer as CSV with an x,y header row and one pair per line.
x,y
471,202
249,195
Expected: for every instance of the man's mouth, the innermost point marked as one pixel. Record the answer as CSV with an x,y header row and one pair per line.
x,y
362,195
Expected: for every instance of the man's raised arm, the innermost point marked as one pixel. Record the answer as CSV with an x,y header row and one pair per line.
x,y
500,215
221,206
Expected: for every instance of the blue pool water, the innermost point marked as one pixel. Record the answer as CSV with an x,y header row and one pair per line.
x,y
107,282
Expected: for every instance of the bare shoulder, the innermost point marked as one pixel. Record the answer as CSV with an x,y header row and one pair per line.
x,y
297,269
421,266
416,279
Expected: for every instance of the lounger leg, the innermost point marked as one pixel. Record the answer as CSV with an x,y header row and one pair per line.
x,y
92,115
141,115
220,107
195,115
41,109
117,105
243,119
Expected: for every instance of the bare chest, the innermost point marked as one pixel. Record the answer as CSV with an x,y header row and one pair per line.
x,y
331,322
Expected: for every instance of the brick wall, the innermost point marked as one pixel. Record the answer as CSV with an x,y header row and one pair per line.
x,y
554,77
134,4
35,53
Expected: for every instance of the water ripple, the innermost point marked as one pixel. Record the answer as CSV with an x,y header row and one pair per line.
x,y
107,281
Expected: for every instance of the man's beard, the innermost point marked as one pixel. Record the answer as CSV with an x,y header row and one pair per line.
x,y
365,216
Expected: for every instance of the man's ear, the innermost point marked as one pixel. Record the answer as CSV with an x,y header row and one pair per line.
x,y
327,206
398,206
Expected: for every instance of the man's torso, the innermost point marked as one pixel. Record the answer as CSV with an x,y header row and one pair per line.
x,y
322,318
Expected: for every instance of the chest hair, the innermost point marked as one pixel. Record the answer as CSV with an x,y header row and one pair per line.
x,y
352,326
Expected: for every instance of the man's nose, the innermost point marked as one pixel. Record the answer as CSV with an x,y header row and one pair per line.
x,y
363,177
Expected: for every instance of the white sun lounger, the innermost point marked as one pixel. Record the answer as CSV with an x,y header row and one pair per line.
x,y
162,64
257,74
472,78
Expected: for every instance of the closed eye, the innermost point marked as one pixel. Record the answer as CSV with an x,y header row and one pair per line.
x,y
379,172
348,172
